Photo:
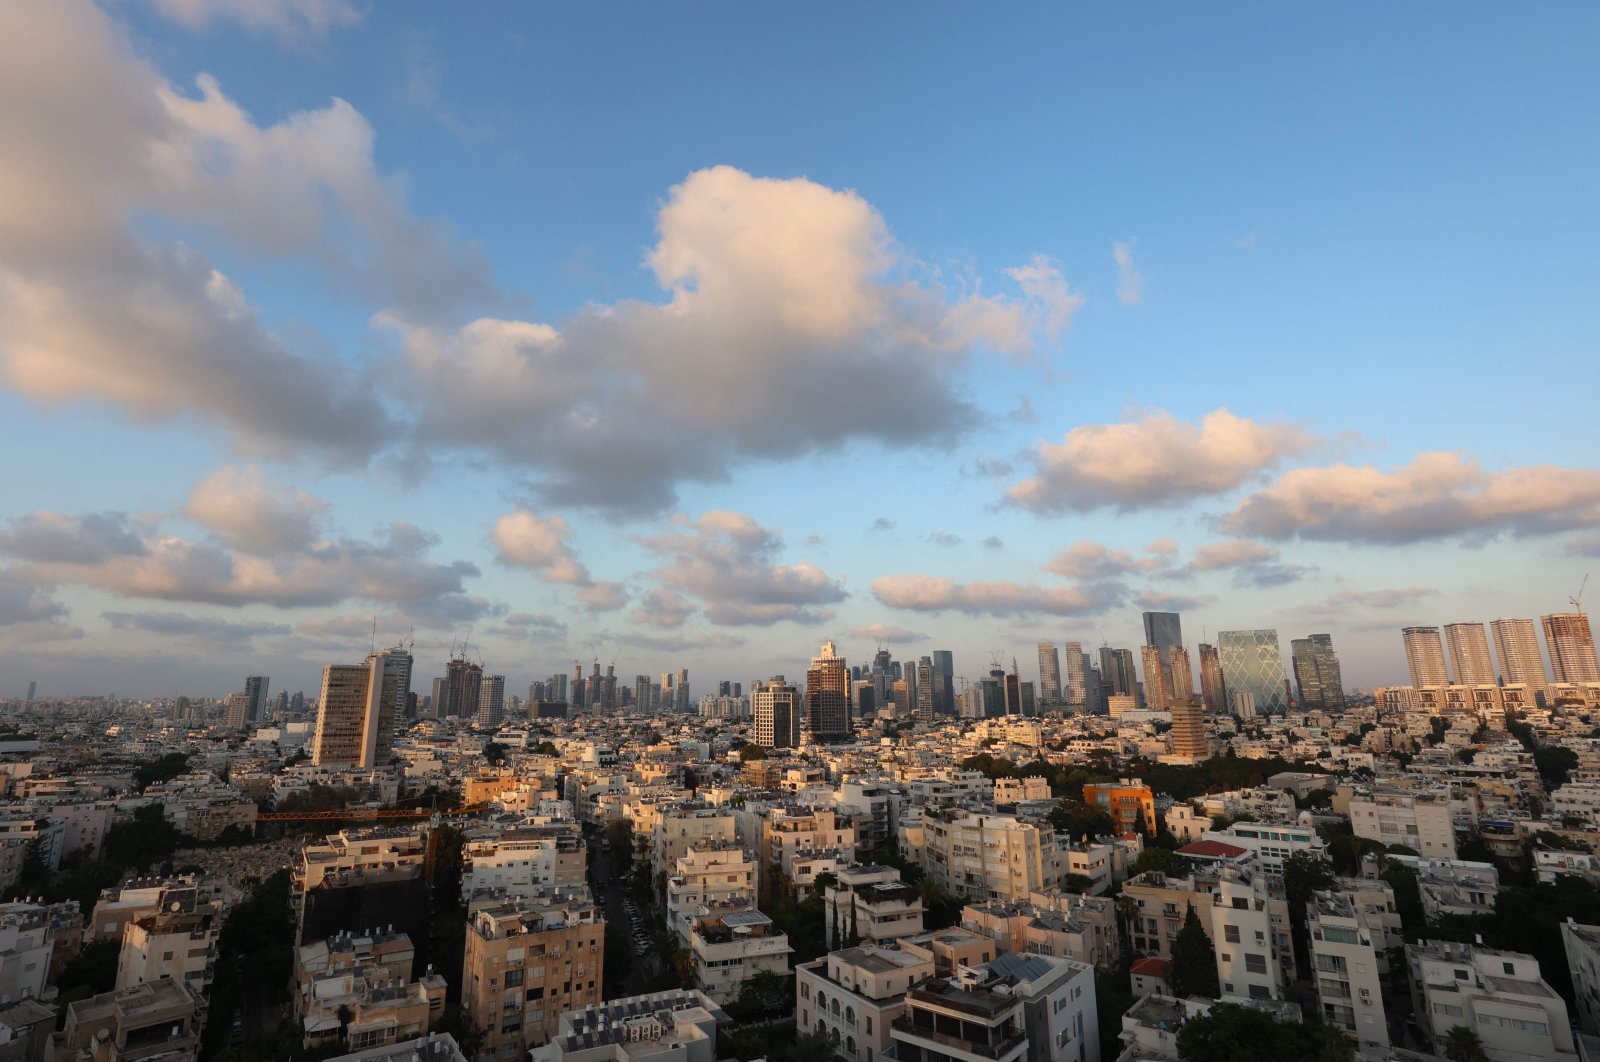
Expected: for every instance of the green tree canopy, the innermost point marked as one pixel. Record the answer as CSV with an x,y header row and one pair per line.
x,y
1193,969
1229,1032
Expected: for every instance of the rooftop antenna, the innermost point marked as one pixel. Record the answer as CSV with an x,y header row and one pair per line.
x,y
1577,602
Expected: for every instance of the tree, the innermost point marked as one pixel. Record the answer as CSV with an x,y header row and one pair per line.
x,y
1229,1032
1554,764
1193,969
751,753
1079,819
494,753
145,839
546,748
1160,859
1303,874
1462,1044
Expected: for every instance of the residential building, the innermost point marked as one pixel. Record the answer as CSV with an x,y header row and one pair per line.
x,y
1500,995
1346,955
1059,1015
491,701
1189,740
731,943
1157,682
872,905
1163,631
1251,934
1076,692
979,856
1271,843
255,693
685,825
1129,802
157,1020
1421,821
1582,944
778,714
1469,654
434,1047
357,709
525,859
1049,673
31,935
708,875
806,842
946,1021
1180,684
1425,656
678,1025
1213,690
855,994
1516,645
175,942
527,962
1571,645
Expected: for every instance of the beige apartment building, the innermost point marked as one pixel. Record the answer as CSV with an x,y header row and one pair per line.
x,y
980,856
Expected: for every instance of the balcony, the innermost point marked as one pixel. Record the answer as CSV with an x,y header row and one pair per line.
x,y
906,1029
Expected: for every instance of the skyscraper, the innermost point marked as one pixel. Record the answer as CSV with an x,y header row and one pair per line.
x,y
358,707
1571,645
1425,656
777,714
461,681
1252,665
255,689
682,690
1316,672
491,700
1049,673
1212,689
1116,668
1157,690
828,696
1077,691
944,681
1469,654
1189,731
1180,687
1162,630
1516,643
925,687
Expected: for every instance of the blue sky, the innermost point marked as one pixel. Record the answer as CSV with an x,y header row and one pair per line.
x,y
911,299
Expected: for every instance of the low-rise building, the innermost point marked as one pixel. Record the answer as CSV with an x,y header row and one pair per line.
x,y
1346,956
1500,995
855,994
732,943
1130,803
1582,944
870,904
722,872
159,1019
177,941
678,1025
946,1021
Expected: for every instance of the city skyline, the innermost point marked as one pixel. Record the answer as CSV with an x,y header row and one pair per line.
x,y
321,335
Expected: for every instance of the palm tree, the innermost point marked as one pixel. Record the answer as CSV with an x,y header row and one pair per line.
x,y
1462,1044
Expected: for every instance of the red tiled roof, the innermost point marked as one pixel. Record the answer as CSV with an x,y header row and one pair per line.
x,y
1212,849
1149,967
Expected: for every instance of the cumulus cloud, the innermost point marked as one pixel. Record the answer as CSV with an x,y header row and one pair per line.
x,y
943,538
930,593
887,634
92,307
1438,495
535,626
1130,284
291,21
663,608
1093,560
22,603
1160,601
524,539
775,290
56,538
245,509
1154,461
729,564
1346,601
1042,282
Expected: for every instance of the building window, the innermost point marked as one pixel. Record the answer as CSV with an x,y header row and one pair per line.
x,y
1230,934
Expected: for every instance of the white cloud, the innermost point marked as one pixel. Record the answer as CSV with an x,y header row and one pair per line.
x,y
195,628
1154,461
776,290
243,508
1130,284
1054,300
887,634
728,563
1093,561
1231,554
1160,601
929,593
291,21
1438,495
524,539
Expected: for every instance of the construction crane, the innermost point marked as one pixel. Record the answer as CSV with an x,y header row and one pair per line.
x,y
1577,602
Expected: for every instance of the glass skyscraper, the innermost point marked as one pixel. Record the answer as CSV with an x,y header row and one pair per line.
x,y
1252,664
1316,672
1162,630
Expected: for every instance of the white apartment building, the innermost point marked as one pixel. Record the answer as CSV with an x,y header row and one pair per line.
x,y
708,875
1255,956
1582,944
871,904
1454,886
1498,994
685,825
1271,843
1420,821
678,1025
856,994
1059,1018
1016,790
732,943
524,860
1345,950
806,842
979,856
27,942
176,942
1577,802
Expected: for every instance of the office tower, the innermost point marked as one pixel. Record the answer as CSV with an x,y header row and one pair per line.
x,y
1116,669
1162,630
283,702
944,681
1516,644
1571,645
994,694
1211,685
1189,730
1156,681
297,703
1181,686
828,696
1013,691
925,703
1316,673
358,707
738,689
1077,686
777,712
1425,656
681,691
491,700
1049,673
1252,666
33,687
459,698
255,690
1469,654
